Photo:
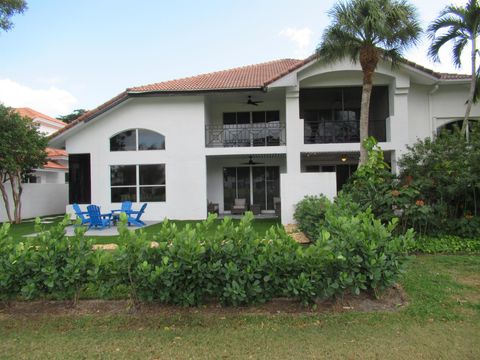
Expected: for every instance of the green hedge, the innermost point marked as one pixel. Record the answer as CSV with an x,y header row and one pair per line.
x,y
231,264
447,244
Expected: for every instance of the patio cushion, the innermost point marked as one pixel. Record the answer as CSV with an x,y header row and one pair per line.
x,y
239,203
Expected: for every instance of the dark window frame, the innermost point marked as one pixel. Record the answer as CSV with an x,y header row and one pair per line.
x,y
138,143
139,195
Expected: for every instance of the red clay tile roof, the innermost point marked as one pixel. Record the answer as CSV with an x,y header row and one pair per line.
x,y
246,77
33,114
52,152
94,112
51,164
438,75
255,76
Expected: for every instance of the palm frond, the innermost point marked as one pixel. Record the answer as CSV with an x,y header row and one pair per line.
x,y
438,42
390,25
457,50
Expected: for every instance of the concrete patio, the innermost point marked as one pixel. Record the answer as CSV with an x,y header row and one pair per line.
x,y
111,231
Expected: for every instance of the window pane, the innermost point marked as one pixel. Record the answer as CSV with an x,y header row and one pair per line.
x,y
273,185
152,174
124,194
123,175
273,116
125,141
150,140
258,177
258,117
229,187
312,168
229,118
243,183
243,118
152,193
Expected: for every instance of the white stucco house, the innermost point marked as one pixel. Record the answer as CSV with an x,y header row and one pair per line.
x,y
55,171
45,191
268,133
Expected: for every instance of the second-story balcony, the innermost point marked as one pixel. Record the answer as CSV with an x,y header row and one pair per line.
x,y
245,135
341,131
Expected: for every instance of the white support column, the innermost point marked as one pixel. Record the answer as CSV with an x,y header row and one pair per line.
x,y
294,130
399,124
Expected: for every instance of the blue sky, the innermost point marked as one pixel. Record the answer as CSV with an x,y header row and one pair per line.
x,y
63,55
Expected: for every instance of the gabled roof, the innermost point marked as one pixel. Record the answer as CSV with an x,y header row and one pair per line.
x,y
33,114
251,77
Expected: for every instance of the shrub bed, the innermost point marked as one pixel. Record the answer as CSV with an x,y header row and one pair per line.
x,y
447,244
194,265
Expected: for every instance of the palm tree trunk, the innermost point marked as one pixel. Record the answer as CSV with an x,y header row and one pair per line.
x,y
473,83
368,60
364,115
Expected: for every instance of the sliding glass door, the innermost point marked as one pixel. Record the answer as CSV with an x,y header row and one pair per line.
x,y
259,185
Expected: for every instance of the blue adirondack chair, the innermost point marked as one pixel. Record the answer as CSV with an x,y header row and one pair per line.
x,y
133,217
126,208
97,219
81,214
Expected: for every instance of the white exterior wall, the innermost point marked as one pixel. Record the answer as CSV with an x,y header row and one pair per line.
x,y
39,200
448,104
294,187
181,120
194,172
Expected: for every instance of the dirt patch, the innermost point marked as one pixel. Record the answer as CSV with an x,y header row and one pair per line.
x,y
392,300
470,280
112,246
296,234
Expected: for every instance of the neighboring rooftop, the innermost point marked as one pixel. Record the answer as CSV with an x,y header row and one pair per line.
x,y
33,114
55,153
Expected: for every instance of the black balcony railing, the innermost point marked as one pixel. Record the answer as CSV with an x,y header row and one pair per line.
x,y
245,135
328,132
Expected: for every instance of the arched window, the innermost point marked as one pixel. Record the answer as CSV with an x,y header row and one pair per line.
x,y
454,125
137,139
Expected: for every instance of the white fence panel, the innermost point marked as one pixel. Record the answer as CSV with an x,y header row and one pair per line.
x,y
294,187
39,200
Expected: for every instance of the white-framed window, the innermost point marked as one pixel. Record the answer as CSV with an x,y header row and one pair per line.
x,y
142,183
137,140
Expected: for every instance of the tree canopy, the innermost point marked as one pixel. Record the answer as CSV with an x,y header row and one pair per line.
x,y
366,31
8,8
459,25
72,116
22,149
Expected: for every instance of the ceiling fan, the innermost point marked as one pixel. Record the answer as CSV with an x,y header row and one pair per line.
x,y
253,102
251,162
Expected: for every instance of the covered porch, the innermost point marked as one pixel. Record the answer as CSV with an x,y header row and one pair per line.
x,y
245,182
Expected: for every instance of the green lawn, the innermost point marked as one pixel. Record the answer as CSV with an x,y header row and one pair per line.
x,y
27,227
442,321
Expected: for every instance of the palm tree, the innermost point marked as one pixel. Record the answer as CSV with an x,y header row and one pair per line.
x,y
460,25
367,31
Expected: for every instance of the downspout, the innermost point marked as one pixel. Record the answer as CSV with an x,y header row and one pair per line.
x,y
432,122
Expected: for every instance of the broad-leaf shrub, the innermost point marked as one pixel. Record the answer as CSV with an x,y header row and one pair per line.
x,y
310,213
48,265
226,262
447,244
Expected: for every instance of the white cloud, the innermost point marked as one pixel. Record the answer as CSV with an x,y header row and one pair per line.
x,y
302,39
51,101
